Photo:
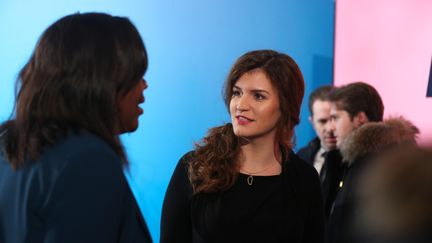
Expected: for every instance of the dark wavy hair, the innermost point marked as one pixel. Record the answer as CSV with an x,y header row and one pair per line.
x,y
212,167
321,93
357,97
81,65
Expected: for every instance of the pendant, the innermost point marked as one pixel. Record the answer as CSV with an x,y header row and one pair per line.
x,y
250,180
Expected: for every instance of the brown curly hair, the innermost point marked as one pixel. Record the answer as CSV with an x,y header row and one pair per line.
x,y
213,165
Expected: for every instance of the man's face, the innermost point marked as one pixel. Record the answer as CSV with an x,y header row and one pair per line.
x,y
320,120
342,124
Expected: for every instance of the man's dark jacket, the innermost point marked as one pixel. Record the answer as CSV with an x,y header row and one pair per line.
x,y
357,150
331,172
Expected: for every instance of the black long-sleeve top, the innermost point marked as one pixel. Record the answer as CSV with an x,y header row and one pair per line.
x,y
281,208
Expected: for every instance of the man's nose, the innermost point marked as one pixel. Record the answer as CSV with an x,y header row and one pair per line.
x,y
331,126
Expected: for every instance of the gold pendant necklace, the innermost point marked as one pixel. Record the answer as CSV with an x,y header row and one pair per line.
x,y
250,178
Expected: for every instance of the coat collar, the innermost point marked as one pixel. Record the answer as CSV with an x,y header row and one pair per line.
x,y
373,137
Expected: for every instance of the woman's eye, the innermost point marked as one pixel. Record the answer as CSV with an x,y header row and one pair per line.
x,y
236,93
259,96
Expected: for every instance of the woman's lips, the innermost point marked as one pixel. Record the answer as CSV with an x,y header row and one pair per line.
x,y
141,101
242,120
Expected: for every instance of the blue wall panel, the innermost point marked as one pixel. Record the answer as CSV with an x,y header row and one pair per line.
x,y
191,46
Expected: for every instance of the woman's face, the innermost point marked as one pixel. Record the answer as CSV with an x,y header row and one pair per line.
x,y
129,109
254,106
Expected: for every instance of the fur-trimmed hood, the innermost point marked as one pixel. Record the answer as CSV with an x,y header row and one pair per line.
x,y
376,136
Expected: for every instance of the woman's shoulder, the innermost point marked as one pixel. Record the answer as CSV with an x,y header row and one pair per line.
x,y
302,174
300,166
81,142
179,182
82,149
187,157
183,163
83,139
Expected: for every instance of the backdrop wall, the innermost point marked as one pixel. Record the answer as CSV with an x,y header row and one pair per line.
x,y
388,44
191,46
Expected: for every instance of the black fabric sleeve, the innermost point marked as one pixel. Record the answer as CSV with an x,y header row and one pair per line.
x,y
314,224
176,217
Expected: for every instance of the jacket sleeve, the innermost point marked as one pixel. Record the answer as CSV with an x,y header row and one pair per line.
x,y
314,225
176,216
90,201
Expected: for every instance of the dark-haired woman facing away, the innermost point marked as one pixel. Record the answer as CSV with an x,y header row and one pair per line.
x,y
61,159
243,183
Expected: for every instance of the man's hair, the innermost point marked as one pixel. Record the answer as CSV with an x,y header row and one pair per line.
x,y
358,97
320,93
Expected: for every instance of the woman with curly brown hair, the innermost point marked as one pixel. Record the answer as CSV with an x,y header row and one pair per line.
x,y
243,183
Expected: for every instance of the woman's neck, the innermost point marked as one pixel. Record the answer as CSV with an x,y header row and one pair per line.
x,y
256,156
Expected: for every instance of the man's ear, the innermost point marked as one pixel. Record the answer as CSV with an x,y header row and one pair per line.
x,y
360,119
310,120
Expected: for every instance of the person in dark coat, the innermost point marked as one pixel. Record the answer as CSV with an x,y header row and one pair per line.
x,y
351,106
319,108
358,150
61,159
321,152
243,183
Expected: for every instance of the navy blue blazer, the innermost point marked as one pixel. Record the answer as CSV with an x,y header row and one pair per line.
x,y
74,192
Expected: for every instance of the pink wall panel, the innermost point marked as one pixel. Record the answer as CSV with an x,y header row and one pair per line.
x,y
388,44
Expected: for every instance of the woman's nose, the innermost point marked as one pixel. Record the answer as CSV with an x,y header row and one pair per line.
x,y
242,104
144,84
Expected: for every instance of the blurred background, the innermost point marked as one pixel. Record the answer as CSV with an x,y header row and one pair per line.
x,y
192,45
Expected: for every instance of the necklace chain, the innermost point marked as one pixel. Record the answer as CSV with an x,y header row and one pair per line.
x,y
250,175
